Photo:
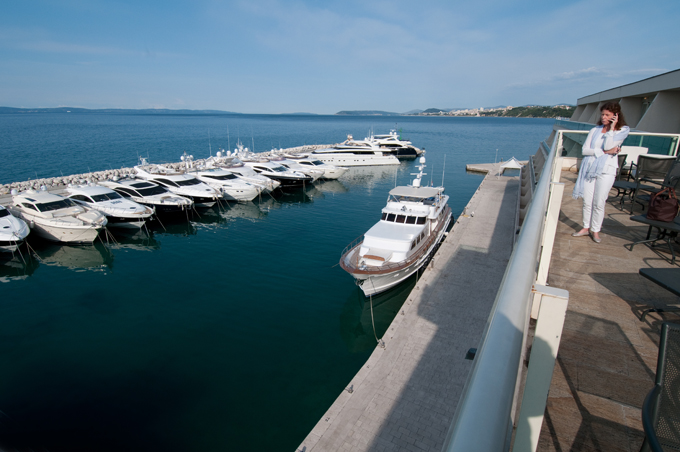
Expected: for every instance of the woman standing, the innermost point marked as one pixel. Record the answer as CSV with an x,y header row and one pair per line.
x,y
599,167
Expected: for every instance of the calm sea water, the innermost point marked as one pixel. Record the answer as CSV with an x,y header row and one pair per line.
x,y
235,331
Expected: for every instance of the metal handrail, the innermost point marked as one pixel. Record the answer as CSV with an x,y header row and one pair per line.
x,y
483,420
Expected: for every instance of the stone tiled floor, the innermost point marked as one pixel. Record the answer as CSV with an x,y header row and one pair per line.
x,y
607,358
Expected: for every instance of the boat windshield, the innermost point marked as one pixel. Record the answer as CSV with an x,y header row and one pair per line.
x,y
55,205
4,213
394,198
221,177
106,197
153,190
279,169
192,181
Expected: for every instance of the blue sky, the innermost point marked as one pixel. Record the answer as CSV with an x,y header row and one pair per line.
x,y
321,57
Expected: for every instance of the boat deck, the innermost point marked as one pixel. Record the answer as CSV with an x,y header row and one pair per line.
x,y
607,358
405,396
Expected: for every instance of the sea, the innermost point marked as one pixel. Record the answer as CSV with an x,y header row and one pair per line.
x,y
233,330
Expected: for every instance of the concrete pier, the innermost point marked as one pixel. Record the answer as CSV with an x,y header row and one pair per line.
x,y
405,396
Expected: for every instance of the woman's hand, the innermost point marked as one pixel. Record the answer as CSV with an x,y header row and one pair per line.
x,y
613,151
614,121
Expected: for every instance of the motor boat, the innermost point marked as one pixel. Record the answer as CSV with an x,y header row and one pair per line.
x,y
180,183
355,153
56,218
330,172
412,225
120,212
236,167
232,187
393,144
13,231
293,165
274,170
152,195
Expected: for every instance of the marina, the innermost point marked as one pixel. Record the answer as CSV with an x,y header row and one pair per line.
x,y
230,313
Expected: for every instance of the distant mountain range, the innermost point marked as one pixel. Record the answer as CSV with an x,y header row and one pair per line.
x,y
146,111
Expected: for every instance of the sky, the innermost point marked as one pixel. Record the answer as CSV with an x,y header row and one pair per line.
x,y
276,56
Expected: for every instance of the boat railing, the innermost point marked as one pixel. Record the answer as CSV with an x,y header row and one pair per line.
x,y
352,265
487,409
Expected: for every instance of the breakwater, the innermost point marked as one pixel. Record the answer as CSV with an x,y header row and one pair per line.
x,y
96,176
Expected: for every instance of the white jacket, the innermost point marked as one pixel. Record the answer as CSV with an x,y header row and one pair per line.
x,y
598,142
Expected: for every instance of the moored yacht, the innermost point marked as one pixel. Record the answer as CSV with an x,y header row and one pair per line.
x,y
230,185
294,165
330,172
56,218
274,170
394,144
412,225
236,166
120,212
182,184
152,195
355,153
13,231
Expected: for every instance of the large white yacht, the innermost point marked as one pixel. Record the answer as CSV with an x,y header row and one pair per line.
x,y
294,165
120,212
13,231
273,170
330,172
182,184
412,225
393,143
236,166
152,195
230,185
56,218
355,153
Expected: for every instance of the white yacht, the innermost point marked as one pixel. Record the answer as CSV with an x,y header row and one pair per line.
x,y
274,170
330,172
355,153
120,212
393,143
179,183
294,165
13,231
236,166
412,225
152,195
56,218
230,185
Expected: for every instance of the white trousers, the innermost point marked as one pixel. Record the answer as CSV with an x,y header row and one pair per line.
x,y
595,194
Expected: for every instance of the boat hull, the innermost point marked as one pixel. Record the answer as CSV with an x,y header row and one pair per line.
x,y
85,234
375,282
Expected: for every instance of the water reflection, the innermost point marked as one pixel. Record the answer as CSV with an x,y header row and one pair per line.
x,y
17,267
95,257
356,323
137,239
331,186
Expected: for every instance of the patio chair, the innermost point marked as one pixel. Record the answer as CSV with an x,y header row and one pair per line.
x,y
650,173
665,231
661,408
672,179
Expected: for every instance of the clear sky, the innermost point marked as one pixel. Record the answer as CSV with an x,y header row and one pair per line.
x,y
279,56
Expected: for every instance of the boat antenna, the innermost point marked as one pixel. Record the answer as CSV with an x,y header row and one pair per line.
x,y
396,170
444,170
209,145
228,140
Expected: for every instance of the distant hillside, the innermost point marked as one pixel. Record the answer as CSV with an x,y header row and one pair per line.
x,y
367,113
146,111
533,111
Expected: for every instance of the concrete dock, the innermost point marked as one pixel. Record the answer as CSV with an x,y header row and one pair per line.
x,y
405,396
